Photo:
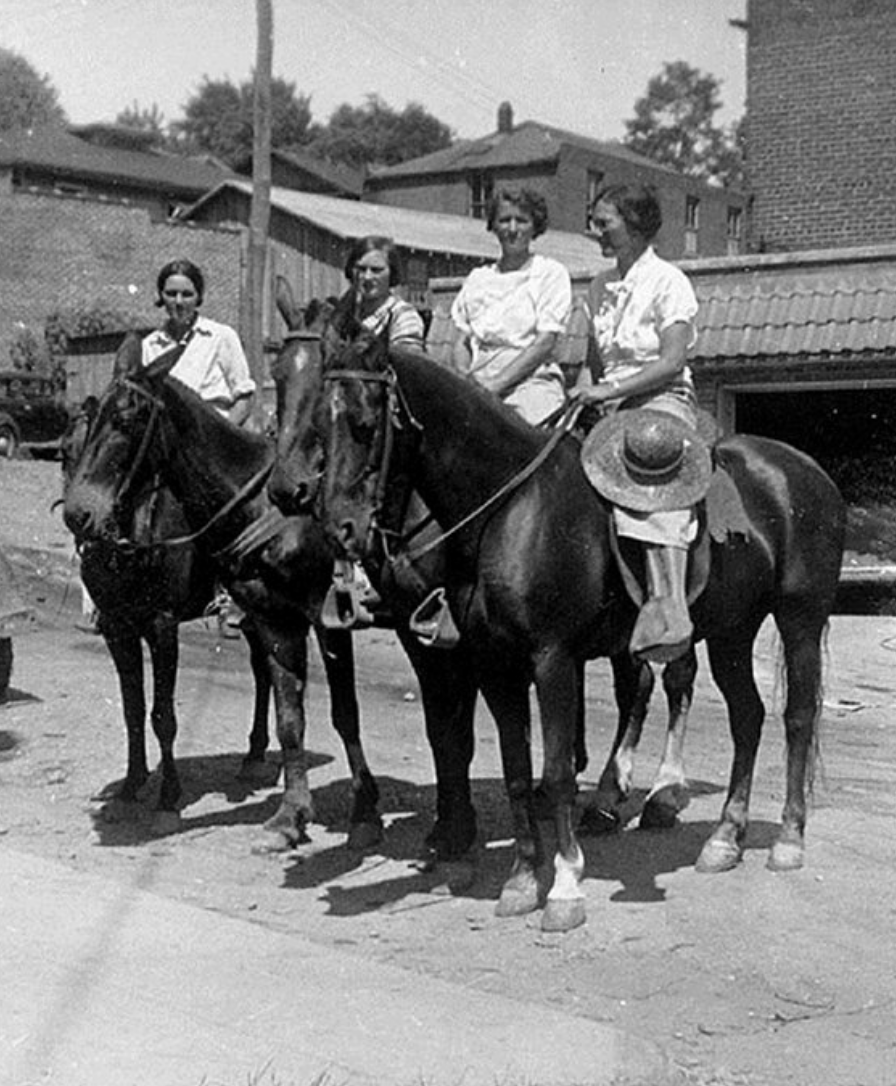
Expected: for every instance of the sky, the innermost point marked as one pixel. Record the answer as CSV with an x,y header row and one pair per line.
x,y
575,64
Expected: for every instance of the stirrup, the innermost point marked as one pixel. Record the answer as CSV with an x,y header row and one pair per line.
x,y
344,606
433,623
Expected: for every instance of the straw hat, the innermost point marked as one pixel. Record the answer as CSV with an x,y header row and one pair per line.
x,y
645,460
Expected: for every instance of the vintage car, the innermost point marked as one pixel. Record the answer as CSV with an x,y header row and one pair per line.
x,y
32,415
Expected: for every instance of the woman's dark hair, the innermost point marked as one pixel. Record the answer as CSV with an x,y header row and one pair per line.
x,y
375,243
638,206
533,203
180,267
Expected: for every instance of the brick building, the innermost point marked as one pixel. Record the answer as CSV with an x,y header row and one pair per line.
x,y
821,109
699,219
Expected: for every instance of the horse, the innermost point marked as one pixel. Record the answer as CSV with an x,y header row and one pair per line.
x,y
142,597
215,473
445,676
415,572
533,584
278,569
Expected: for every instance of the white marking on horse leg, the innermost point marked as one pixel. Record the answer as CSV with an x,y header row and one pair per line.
x,y
567,877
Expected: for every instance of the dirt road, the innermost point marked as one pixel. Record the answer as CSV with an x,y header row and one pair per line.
x,y
747,979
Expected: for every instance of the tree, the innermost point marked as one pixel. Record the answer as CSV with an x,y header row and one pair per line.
x,y
144,120
377,135
673,124
218,118
27,98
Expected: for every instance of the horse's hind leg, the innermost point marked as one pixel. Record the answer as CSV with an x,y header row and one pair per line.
x,y
801,637
731,662
633,683
366,824
253,767
668,796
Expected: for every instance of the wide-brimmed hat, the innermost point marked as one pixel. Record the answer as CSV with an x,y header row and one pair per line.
x,y
649,461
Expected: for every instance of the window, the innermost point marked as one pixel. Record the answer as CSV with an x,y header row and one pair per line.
x,y
691,225
735,229
481,186
594,182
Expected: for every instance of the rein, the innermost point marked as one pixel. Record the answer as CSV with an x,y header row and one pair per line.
x,y
568,416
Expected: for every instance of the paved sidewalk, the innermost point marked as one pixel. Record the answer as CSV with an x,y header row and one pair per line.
x,y
105,984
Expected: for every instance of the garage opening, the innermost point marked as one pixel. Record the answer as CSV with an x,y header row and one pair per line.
x,y
852,434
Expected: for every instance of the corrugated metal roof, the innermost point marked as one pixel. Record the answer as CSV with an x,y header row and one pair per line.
x,y
525,144
58,150
811,303
423,231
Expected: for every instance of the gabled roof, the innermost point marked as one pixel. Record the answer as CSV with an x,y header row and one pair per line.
x,y
343,179
59,151
423,231
523,145
826,302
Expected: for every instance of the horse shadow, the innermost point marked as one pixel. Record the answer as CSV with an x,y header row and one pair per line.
x,y
221,774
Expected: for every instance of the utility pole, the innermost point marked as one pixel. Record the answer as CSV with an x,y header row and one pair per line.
x,y
260,214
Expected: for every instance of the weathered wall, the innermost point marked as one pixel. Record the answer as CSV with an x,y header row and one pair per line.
x,y
59,252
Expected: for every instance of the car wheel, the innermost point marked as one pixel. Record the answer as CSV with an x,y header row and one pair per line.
x,y
9,439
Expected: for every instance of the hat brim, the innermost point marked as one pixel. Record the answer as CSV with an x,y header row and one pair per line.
x,y
602,460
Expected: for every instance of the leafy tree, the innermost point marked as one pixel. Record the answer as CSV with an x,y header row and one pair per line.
x,y
144,120
27,98
674,124
377,135
218,118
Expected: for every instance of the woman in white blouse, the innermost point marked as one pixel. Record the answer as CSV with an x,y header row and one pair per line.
x,y
510,314
643,315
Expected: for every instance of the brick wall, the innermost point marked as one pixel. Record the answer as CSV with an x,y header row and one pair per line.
x,y
59,252
821,102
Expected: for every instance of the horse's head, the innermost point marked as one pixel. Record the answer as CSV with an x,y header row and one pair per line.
x,y
107,456
359,401
298,379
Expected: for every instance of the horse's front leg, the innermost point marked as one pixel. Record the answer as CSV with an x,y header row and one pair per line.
x,y
162,639
669,796
731,663
448,692
288,666
366,824
556,687
633,683
506,692
126,650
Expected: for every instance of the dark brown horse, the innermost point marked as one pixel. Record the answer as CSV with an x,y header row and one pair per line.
x,y
142,596
275,568
534,587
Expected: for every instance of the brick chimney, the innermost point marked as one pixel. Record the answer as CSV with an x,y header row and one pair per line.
x,y
505,117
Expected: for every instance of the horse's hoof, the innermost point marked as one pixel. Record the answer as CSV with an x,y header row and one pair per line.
x,y
599,821
518,898
280,834
785,856
563,915
716,856
662,808
165,822
365,835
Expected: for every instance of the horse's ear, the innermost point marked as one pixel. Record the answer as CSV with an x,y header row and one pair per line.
x,y
286,304
128,357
